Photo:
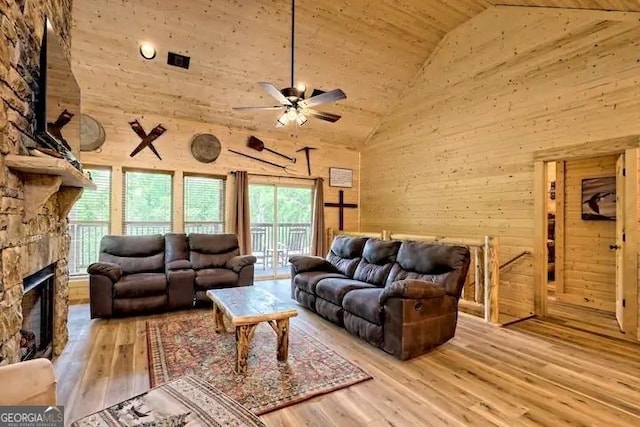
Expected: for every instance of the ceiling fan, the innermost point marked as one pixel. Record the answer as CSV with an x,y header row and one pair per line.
x,y
296,108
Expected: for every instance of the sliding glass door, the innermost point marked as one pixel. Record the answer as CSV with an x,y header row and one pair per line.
x,y
280,226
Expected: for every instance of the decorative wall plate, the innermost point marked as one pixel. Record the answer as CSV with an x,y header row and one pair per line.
x,y
205,147
92,133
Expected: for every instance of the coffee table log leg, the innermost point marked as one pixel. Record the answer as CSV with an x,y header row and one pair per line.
x,y
219,316
282,327
244,334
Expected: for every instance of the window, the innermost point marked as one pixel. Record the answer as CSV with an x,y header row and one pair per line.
x,y
147,203
88,222
280,226
203,204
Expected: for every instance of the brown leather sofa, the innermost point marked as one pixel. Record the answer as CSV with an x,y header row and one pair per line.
x,y
401,296
142,274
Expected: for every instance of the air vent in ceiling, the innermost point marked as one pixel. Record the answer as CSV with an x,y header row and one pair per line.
x,y
178,60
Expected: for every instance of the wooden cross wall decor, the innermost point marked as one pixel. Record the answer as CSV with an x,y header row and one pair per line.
x,y
341,205
147,139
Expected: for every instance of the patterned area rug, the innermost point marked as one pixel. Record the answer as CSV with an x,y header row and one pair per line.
x,y
188,345
187,401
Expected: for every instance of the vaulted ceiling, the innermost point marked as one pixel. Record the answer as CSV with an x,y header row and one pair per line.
x,y
370,49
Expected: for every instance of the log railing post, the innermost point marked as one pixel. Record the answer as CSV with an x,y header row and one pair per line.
x,y
487,278
492,280
330,235
479,256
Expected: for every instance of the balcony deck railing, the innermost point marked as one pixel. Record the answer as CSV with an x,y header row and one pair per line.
x,y
289,238
85,245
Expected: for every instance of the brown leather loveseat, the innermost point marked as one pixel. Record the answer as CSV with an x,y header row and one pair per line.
x,y
142,274
401,296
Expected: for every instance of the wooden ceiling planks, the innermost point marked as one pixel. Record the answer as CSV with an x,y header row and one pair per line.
x,y
618,5
372,50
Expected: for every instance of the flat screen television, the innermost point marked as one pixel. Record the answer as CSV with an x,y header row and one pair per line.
x,y
58,99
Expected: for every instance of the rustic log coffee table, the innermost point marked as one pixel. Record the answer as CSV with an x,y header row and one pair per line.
x,y
245,307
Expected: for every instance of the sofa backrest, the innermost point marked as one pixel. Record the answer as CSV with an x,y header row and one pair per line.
x,y
345,253
378,257
442,264
212,250
134,254
176,247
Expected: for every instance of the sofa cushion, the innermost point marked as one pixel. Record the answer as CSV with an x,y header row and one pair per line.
x,y
426,258
132,246
212,250
334,289
378,257
140,285
134,254
432,262
364,303
212,278
345,253
307,281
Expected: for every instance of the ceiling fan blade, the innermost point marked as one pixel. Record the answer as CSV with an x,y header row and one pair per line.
x,y
275,107
275,93
330,117
325,98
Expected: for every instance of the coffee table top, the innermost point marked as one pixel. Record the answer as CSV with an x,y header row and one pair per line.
x,y
248,305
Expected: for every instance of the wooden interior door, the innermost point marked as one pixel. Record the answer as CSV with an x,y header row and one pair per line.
x,y
620,242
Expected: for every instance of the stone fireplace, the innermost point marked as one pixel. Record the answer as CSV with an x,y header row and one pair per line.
x,y
28,242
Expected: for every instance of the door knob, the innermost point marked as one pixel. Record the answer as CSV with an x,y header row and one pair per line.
x,y
614,247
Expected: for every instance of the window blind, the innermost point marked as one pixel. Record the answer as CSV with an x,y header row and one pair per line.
x,y
147,203
204,204
89,222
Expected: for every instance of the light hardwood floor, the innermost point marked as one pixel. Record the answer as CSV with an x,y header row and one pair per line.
x,y
530,373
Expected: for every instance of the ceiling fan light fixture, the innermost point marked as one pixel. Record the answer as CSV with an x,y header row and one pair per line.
x,y
292,114
301,119
283,120
301,87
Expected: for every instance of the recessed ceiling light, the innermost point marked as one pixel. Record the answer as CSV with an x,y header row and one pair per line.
x,y
147,50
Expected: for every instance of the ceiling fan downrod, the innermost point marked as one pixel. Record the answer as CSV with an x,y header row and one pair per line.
x,y
293,38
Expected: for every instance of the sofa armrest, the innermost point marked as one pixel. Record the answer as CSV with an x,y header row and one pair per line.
x,y
238,262
180,264
302,263
28,383
108,269
412,289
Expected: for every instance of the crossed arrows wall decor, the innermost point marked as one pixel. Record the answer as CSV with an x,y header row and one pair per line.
x,y
147,139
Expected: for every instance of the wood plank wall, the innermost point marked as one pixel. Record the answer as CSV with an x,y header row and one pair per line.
x,y
590,266
458,148
173,146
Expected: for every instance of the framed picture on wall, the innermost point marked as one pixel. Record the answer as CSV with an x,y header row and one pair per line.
x,y
599,198
340,177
